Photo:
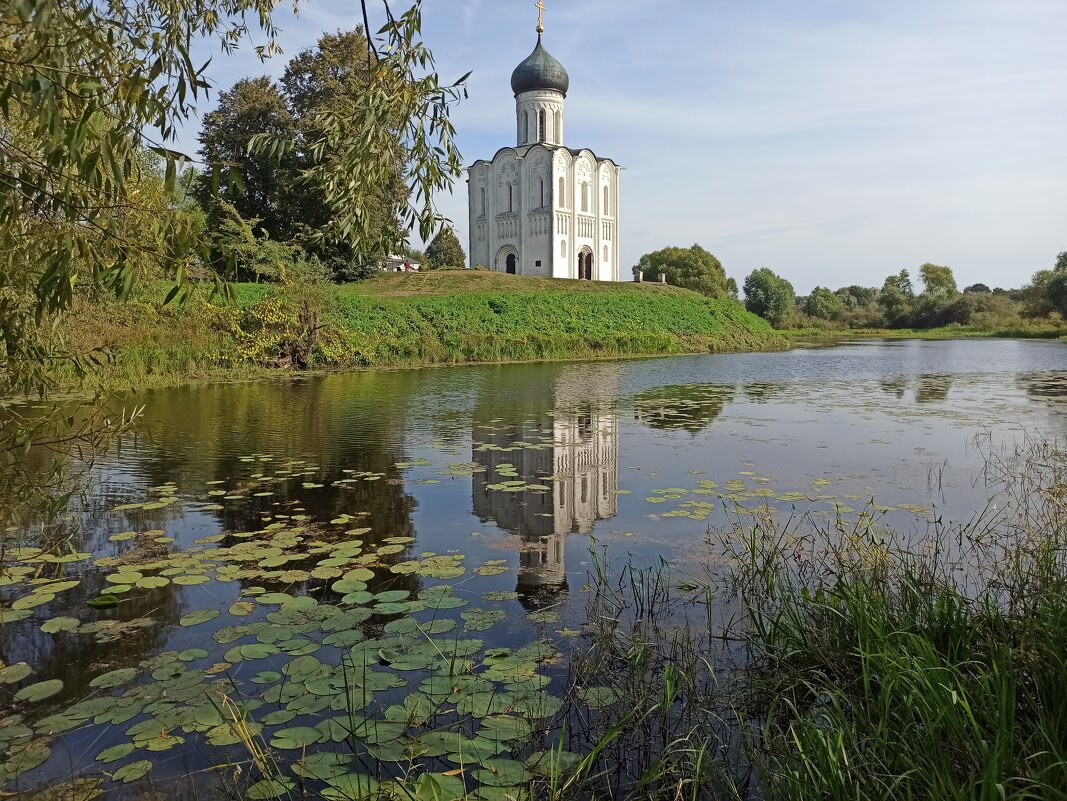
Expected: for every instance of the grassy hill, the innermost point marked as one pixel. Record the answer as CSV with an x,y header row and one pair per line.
x,y
407,319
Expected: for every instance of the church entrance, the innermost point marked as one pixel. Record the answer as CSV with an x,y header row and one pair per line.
x,y
585,264
511,263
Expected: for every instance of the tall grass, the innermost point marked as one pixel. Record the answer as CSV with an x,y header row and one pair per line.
x,y
844,661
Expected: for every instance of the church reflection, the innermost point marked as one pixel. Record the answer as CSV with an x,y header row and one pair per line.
x,y
566,456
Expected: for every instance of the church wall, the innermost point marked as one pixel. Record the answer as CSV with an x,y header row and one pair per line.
x,y
528,107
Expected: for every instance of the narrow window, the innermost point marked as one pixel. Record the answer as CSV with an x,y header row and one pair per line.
x,y
558,131
563,193
542,193
542,128
585,197
606,210
483,201
563,248
605,254
511,197
525,127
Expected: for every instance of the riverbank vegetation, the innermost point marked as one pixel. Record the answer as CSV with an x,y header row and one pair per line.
x,y
842,660
398,319
1038,309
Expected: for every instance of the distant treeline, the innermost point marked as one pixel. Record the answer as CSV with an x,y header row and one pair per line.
x,y
897,304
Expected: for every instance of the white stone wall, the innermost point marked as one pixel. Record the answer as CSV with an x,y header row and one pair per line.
x,y
529,106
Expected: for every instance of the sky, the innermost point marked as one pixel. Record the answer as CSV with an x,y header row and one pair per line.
x,y
833,141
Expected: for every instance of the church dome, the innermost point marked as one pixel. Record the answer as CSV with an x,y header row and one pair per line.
x,y
540,71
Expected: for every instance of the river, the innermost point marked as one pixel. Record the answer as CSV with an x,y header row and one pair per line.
x,y
464,498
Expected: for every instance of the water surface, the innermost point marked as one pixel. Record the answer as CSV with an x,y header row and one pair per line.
x,y
494,481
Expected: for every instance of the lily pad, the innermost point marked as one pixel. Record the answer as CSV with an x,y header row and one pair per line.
x,y
132,772
198,617
39,691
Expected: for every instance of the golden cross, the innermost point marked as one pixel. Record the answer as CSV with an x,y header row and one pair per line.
x,y
540,11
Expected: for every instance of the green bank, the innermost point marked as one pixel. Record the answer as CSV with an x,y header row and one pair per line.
x,y
446,317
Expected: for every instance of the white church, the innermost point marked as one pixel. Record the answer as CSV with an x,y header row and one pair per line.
x,y
541,208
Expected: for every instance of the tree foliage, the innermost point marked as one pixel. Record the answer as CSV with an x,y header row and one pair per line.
x,y
769,295
938,280
445,250
691,268
88,88
257,189
824,304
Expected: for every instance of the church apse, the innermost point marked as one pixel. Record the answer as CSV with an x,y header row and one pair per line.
x,y
562,465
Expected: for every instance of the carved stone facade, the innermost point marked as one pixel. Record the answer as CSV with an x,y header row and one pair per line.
x,y
541,208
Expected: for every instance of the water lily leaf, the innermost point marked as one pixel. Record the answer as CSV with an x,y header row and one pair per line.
x,y
504,727
15,673
322,765
28,758
198,617
390,609
270,788
114,678
116,752
131,577
598,697
32,601
132,772
250,651
273,598
14,615
350,787
242,608
481,619
296,738
39,691
153,582
498,772
192,654
189,581
500,596
58,624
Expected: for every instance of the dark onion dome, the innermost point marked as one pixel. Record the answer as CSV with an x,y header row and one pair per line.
x,y
540,71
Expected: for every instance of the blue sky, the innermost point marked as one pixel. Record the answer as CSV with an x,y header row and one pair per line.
x,y
833,141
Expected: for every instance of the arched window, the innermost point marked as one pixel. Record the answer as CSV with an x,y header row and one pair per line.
x,y
484,210
541,127
605,254
525,127
605,210
542,193
558,130
511,197
563,248
585,196
562,192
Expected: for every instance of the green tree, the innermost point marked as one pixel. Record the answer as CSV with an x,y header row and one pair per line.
x,y
257,185
977,289
824,304
938,280
445,250
87,87
1047,291
691,268
857,297
332,81
896,298
769,295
